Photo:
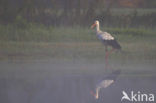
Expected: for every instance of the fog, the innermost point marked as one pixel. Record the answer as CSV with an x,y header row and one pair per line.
x,y
63,82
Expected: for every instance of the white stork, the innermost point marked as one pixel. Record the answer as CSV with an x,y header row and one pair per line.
x,y
106,82
106,38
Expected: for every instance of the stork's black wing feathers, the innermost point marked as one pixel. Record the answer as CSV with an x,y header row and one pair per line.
x,y
112,43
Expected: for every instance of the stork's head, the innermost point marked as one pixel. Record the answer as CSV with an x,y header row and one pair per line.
x,y
96,23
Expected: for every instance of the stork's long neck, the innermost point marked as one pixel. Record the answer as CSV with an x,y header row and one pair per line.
x,y
97,93
97,28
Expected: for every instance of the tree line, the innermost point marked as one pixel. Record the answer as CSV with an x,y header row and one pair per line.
x,y
75,12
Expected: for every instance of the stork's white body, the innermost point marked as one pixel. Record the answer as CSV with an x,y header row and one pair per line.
x,y
106,37
102,35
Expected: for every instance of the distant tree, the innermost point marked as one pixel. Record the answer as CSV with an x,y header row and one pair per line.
x,y
131,3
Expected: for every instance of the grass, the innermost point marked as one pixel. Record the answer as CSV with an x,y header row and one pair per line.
x,y
39,33
70,43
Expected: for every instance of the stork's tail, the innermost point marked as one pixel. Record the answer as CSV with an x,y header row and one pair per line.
x,y
116,45
113,43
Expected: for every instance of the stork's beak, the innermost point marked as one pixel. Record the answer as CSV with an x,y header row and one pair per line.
x,y
93,94
93,25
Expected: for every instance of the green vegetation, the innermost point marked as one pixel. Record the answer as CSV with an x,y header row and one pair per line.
x,y
40,33
70,43
129,11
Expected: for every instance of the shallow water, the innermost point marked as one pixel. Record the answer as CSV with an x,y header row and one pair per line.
x,y
71,82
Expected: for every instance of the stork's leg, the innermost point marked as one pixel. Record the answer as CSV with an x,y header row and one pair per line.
x,y
111,51
106,52
107,55
106,48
